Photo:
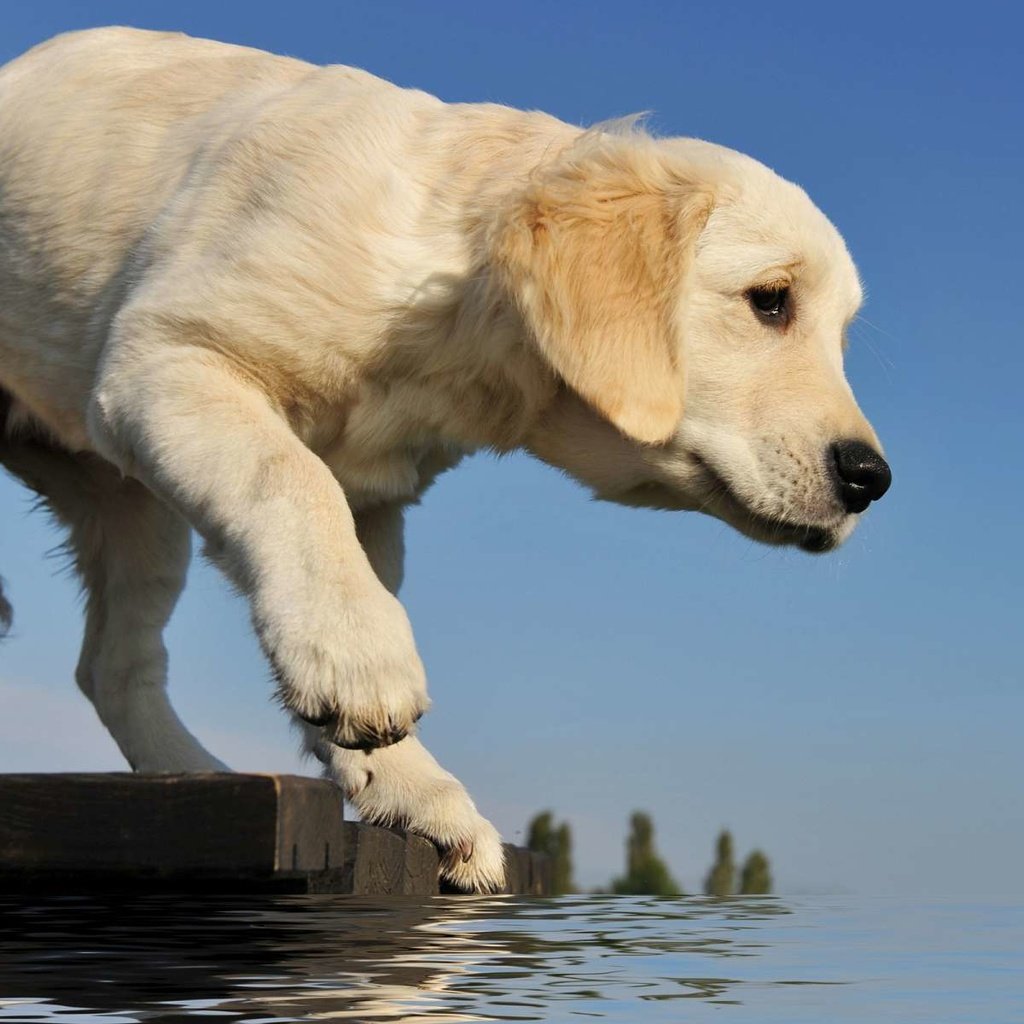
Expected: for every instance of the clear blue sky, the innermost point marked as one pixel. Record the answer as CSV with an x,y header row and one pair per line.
x,y
859,716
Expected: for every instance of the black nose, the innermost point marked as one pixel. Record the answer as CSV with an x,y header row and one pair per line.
x,y
863,476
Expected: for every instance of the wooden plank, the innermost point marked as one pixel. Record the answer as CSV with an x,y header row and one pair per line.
x,y
139,823
540,874
519,872
374,861
216,832
211,824
513,881
310,825
421,867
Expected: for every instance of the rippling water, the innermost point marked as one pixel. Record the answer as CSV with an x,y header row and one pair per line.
x,y
272,959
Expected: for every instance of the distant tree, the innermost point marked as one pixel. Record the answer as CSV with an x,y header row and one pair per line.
x,y
646,873
538,836
556,842
756,876
721,880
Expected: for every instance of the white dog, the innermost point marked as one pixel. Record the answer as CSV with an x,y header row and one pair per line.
x,y
272,302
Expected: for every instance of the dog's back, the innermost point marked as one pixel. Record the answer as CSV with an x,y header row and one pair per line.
x,y
97,129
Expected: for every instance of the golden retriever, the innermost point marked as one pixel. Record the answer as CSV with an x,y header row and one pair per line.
x,y
272,302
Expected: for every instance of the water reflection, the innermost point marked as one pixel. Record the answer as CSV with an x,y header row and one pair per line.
x,y
330,957
269,959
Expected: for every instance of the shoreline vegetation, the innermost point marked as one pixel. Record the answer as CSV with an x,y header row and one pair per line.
x,y
646,873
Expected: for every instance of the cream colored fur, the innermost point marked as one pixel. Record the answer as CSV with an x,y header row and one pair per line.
x,y
272,302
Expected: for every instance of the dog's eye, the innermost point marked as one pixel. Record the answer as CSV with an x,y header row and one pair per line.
x,y
771,304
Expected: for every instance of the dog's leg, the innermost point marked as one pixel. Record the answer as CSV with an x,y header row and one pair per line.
x,y
131,553
195,429
402,784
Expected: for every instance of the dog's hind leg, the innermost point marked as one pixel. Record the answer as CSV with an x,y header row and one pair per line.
x,y
131,553
403,784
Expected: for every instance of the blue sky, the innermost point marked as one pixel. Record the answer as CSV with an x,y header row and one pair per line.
x,y
858,716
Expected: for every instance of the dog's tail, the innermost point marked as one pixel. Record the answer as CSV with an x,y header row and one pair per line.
x,y
5,612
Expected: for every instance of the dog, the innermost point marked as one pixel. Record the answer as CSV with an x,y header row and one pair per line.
x,y
270,302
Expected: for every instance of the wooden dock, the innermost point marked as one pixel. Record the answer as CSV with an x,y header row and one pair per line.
x,y
212,833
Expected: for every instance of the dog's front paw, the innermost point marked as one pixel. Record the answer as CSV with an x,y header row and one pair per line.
x,y
476,863
364,689
404,786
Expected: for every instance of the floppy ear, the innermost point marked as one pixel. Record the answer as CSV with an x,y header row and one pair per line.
x,y
595,256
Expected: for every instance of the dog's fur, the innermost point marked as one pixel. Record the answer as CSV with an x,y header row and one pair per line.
x,y
272,302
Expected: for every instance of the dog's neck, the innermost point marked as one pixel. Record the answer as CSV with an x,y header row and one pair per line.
x,y
457,369
458,328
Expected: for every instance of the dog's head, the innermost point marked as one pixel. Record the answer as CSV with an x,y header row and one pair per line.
x,y
696,307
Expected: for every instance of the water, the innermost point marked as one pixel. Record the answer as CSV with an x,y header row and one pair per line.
x,y
272,959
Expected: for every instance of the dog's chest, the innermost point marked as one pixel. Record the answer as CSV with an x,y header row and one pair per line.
x,y
389,438
394,476
382,454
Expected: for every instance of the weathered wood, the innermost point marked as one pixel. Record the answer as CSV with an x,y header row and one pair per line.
x,y
518,870
310,825
374,861
166,824
514,882
421,867
540,874
213,832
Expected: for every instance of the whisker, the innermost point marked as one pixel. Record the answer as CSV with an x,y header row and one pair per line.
x,y
716,492
861,318
883,360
